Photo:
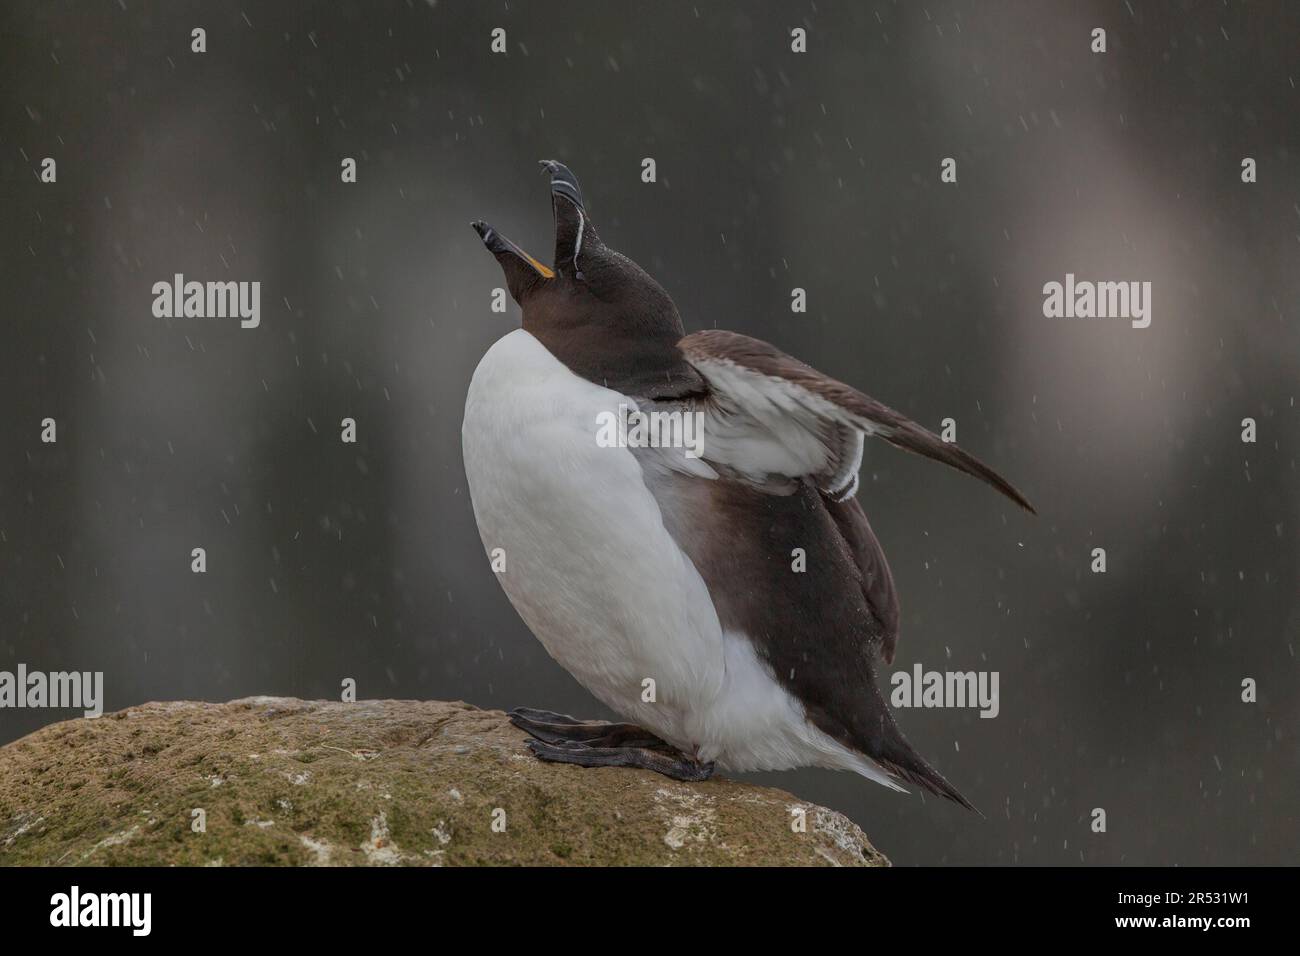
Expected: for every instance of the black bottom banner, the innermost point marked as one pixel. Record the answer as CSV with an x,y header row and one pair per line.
x,y
334,905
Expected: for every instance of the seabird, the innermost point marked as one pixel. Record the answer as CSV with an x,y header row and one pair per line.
x,y
664,581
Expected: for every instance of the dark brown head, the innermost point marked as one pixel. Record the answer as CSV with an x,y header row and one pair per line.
x,y
597,311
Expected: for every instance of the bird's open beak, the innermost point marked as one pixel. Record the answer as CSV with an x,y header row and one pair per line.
x,y
574,235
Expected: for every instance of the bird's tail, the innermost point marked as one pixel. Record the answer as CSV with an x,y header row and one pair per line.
x,y
891,751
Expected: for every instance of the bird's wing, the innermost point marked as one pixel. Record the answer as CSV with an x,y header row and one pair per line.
x,y
772,422
771,417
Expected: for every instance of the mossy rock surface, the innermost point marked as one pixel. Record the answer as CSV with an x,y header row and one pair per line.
x,y
375,783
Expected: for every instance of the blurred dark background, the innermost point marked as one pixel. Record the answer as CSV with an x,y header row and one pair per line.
x,y
776,170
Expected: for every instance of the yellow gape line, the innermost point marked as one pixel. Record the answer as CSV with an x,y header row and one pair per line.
x,y
542,270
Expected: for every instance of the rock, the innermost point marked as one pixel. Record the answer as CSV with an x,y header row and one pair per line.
x,y
282,781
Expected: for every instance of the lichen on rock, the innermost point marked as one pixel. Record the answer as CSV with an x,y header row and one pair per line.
x,y
280,781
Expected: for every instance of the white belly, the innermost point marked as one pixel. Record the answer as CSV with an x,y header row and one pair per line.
x,y
595,575
588,563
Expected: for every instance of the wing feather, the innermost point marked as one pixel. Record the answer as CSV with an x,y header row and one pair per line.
x,y
772,415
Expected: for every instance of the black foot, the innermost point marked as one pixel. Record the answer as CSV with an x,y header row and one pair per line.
x,y
592,743
676,765
561,729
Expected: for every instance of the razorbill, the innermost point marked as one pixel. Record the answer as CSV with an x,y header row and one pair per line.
x,y
660,573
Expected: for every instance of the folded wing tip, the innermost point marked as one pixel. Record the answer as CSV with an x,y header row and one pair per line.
x,y
1011,492
1014,494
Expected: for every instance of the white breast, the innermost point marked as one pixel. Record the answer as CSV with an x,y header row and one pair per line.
x,y
589,565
